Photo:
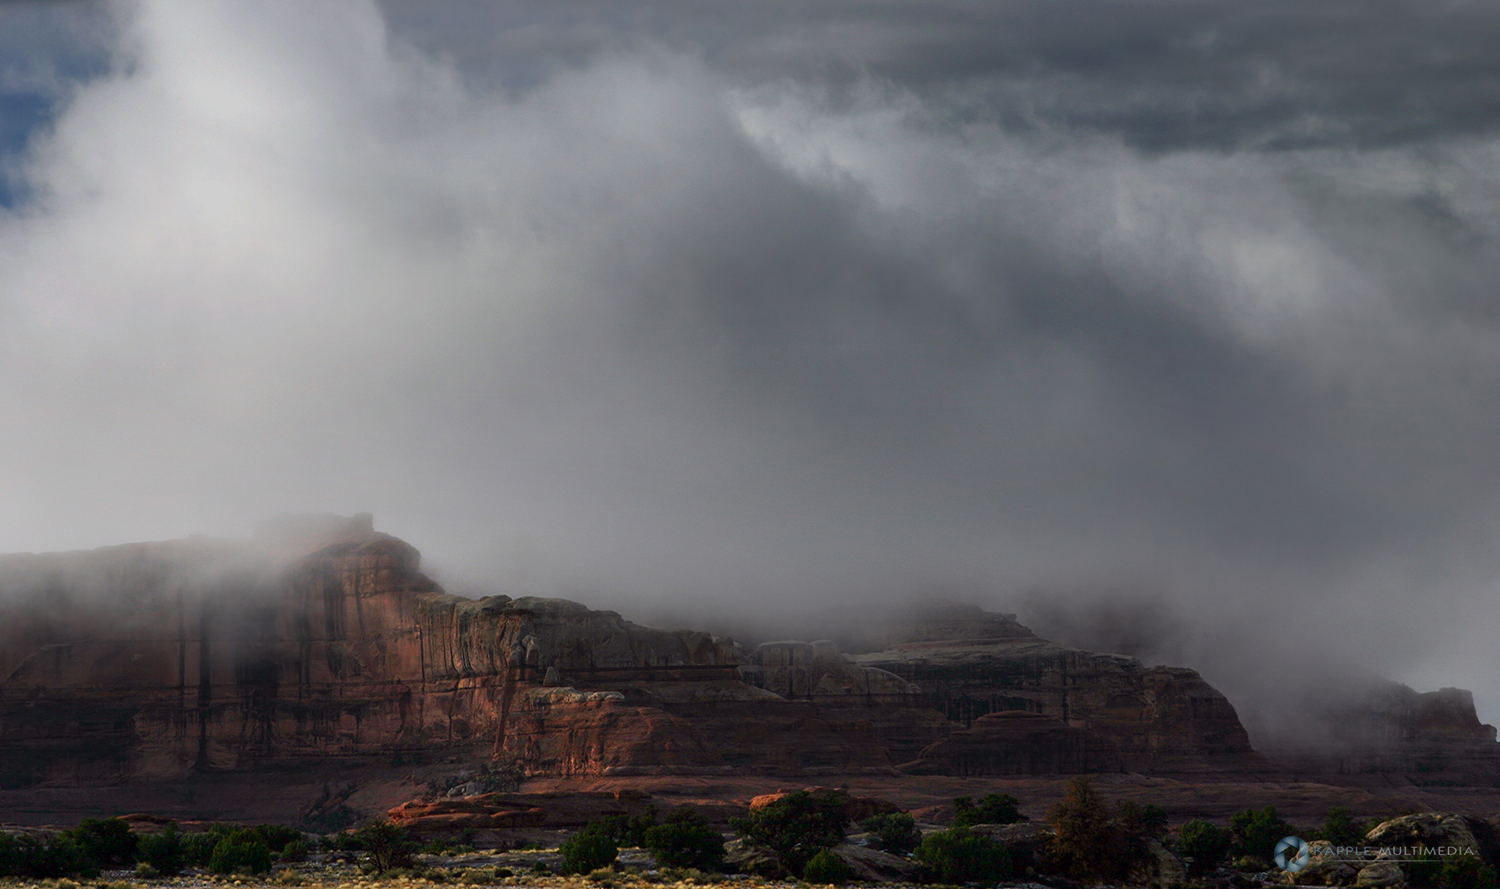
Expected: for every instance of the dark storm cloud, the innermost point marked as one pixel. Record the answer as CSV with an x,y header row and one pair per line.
x,y
766,307
1220,75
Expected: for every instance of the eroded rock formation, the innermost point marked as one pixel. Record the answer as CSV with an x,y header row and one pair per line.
x,y
971,663
320,637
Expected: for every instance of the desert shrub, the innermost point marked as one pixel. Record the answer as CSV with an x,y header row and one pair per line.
x,y
959,855
198,848
106,840
276,836
242,852
1141,823
895,832
59,856
389,846
1257,831
1422,870
685,839
826,867
1466,872
163,852
797,826
625,830
1087,843
994,808
1204,845
296,850
588,850
1340,828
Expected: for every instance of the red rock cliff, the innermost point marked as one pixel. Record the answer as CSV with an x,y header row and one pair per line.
x,y
155,660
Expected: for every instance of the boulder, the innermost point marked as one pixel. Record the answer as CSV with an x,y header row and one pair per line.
x,y
742,856
1380,873
483,811
858,808
1027,841
1433,830
868,865
1161,867
1324,868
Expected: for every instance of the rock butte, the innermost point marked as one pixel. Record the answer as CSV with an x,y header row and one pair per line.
x,y
319,637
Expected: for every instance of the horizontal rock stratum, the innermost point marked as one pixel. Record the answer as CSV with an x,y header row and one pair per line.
x,y
320,637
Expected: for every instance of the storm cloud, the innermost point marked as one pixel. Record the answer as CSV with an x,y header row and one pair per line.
x,y
766,309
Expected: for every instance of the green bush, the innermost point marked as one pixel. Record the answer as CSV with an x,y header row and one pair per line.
x,y
389,846
106,840
1204,845
58,856
1466,872
1340,828
1256,832
895,833
276,836
625,830
797,826
1423,869
588,850
296,850
164,851
685,839
994,808
826,867
242,852
959,855
198,848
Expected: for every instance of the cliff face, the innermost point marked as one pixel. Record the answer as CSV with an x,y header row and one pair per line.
x,y
1119,710
322,638
1434,738
156,660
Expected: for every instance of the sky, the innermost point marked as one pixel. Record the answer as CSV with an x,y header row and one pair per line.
x,y
723,310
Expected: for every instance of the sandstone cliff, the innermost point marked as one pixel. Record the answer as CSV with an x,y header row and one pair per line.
x,y
1433,738
971,663
321,638
155,660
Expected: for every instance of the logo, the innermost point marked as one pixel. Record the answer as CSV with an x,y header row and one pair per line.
x,y
1292,854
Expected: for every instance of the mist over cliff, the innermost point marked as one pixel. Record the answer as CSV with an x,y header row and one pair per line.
x,y
741,311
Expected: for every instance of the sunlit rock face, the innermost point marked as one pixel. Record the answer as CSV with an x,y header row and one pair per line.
x,y
320,637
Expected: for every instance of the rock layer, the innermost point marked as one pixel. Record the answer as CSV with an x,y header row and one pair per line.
x,y
1158,717
158,660
321,638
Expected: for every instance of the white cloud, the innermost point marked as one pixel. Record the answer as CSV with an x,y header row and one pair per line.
x,y
636,331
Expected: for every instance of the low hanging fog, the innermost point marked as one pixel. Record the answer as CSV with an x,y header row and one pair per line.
x,y
729,311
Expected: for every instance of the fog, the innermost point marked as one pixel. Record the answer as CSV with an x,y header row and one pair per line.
x,y
727,311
